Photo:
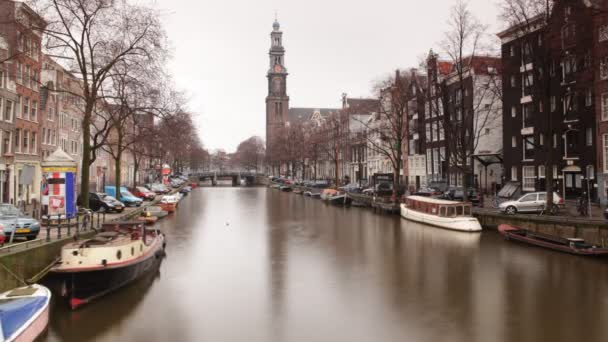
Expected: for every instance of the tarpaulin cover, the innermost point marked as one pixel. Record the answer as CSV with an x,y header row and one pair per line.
x,y
15,312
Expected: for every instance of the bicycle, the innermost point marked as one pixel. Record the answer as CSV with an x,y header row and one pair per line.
x,y
542,210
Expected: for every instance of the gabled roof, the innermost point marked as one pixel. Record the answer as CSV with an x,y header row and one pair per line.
x,y
296,115
362,106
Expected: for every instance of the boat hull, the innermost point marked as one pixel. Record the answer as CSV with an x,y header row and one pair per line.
x,y
340,200
463,224
514,233
34,323
83,287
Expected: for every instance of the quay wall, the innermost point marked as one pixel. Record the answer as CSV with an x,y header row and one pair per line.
x,y
24,264
593,231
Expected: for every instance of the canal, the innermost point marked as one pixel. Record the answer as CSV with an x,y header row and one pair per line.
x,y
254,264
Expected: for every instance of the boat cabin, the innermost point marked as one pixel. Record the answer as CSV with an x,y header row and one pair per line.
x,y
438,207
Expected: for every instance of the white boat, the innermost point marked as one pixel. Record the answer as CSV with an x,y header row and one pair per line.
x,y
24,313
440,213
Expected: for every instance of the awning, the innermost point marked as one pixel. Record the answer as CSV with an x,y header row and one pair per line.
x,y
571,168
487,159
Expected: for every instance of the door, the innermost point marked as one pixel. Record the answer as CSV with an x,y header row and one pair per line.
x,y
574,184
527,203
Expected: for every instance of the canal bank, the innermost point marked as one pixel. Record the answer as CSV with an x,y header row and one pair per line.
x,y
594,231
27,262
253,264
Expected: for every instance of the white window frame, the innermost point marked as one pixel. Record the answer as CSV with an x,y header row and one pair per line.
x,y
528,178
514,173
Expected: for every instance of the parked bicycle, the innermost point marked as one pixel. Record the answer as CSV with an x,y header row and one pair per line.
x,y
582,205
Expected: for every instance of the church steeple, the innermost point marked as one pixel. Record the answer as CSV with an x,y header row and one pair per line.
x,y
277,101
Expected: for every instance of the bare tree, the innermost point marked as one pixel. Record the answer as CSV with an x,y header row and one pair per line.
x,y
387,131
95,35
471,92
250,153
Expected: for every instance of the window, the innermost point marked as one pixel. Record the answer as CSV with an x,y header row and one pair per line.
x,y
603,33
514,173
513,111
590,172
604,107
605,140
588,98
553,103
513,81
33,111
8,110
541,139
26,108
512,51
604,68
529,147
513,141
528,178
18,140
34,146
6,142
554,171
589,136
554,140
2,79
26,140
428,131
541,171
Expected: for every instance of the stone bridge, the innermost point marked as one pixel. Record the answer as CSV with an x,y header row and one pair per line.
x,y
249,178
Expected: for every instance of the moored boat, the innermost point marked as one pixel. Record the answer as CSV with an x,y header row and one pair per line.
x,y
298,191
119,254
24,313
147,218
168,207
286,188
568,245
326,194
440,213
340,198
157,211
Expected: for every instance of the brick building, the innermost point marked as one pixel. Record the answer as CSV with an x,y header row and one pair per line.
x,y
548,81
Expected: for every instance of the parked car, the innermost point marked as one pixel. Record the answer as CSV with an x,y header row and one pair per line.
x,y
185,189
428,192
125,196
530,203
12,219
457,194
142,192
2,236
158,188
352,187
100,201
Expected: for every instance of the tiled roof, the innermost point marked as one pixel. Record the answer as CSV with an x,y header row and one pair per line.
x,y
302,114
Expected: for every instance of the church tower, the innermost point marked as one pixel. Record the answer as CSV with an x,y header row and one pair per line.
x,y
277,101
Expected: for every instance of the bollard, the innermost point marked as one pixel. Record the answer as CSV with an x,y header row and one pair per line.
x,y
48,230
77,222
58,227
69,226
77,228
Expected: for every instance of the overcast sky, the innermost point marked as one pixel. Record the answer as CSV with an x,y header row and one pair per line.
x,y
220,53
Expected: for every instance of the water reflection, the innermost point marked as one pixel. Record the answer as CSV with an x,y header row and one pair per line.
x,y
253,264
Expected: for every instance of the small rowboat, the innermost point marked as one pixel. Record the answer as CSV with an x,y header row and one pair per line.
x,y
568,245
168,207
24,313
148,219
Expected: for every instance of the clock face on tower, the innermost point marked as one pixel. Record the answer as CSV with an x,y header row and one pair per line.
x,y
276,85
277,68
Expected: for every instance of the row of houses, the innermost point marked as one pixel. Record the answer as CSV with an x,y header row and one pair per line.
x,y
41,111
540,107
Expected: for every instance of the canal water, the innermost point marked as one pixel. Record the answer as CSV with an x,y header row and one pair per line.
x,y
254,264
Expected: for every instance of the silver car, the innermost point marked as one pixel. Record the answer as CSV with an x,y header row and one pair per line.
x,y
530,203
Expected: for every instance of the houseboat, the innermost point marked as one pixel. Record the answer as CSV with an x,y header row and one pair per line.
x,y
118,255
440,213
24,313
567,245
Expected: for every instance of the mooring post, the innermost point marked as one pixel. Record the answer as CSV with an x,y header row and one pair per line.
x,y
77,227
69,225
48,228
58,227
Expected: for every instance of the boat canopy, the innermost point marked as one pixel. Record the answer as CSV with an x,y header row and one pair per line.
x,y
16,312
438,207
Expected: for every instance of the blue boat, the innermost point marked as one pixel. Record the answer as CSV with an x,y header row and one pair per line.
x,y
24,313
